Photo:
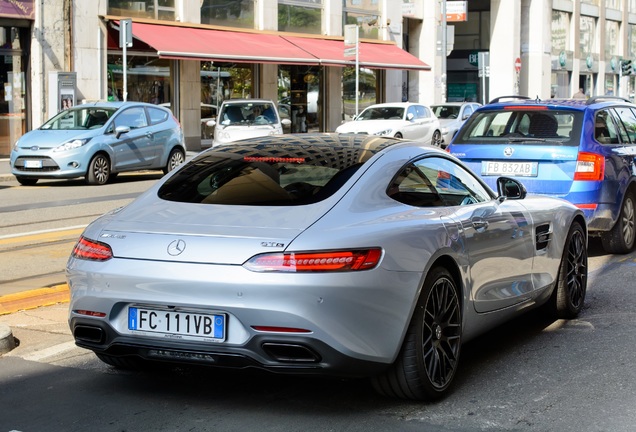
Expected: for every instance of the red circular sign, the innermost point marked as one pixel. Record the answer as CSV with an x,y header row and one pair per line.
x,y
518,64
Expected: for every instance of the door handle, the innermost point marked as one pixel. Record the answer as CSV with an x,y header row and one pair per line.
x,y
479,224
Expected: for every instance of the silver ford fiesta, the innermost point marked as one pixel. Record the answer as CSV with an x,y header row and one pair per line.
x,y
346,255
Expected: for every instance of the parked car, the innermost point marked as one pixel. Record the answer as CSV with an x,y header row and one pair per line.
x,y
335,254
246,118
452,116
576,149
400,120
99,140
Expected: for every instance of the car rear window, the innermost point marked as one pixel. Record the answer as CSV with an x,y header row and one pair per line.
x,y
522,126
264,175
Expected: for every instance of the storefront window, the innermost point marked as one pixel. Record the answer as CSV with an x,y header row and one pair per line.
x,y
154,9
231,13
560,31
631,6
614,4
367,85
300,16
299,97
12,104
221,81
148,79
364,13
587,35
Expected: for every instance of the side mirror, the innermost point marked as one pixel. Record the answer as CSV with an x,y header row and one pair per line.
x,y
285,122
510,188
210,123
465,116
120,130
410,116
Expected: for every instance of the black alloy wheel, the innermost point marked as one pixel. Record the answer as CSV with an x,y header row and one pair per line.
x,y
569,294
427,363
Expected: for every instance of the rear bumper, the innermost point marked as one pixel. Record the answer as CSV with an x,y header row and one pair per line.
x,y
274,353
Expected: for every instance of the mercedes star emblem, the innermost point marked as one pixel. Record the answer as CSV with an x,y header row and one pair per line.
x,y
176,247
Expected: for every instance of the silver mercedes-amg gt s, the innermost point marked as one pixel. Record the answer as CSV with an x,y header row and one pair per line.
x,y
340,254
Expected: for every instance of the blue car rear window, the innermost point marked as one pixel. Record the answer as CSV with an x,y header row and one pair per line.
x,y
521,126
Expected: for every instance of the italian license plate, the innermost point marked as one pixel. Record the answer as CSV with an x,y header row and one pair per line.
x,y
177,324
33,164
522,169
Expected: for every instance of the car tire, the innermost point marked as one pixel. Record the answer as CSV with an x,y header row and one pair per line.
x,y
437,139
428,360
568,296
176,158
26,181
98,170
620,239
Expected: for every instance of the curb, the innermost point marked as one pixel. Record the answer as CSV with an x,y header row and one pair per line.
x,y
32,299
7,342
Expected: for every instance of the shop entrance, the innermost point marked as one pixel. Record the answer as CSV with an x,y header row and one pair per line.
x,y
12,70
299,97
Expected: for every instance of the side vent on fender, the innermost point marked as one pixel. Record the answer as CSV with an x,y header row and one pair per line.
x,y
543,236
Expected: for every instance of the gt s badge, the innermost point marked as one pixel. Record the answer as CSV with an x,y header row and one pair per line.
x,y
272,244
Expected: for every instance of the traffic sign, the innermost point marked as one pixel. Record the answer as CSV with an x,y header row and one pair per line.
x,y
456,11
518,64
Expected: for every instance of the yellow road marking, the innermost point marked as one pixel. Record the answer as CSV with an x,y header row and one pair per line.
x,y
32,299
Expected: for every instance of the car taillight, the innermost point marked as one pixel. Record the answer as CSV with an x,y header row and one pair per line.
x,y
324,261
91,250
590,166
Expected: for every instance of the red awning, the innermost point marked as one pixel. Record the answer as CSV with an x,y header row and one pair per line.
x,y
217,45
371,55
180,42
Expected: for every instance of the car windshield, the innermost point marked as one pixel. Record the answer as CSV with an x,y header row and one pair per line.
x,y
265,175
80,118
382,113
446,111
522,126
234,114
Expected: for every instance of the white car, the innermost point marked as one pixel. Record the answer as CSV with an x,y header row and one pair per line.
x,y
452,116
406,120
246,118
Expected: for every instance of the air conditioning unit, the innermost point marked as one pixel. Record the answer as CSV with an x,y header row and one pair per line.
x,y
138,6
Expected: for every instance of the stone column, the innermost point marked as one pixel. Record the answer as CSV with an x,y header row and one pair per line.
x,y
536,42
505,28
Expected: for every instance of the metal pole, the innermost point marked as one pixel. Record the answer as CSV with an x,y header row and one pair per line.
x,y
444,48
125,30
357,66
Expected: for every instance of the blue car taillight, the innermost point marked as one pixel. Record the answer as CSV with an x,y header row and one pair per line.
x,y
589,167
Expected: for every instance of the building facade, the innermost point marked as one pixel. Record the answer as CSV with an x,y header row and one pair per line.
x,y
190,55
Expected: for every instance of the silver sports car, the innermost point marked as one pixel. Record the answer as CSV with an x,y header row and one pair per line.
x,y
347,255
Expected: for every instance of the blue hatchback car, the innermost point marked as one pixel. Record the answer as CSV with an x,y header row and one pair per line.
x,y
97,141
580,150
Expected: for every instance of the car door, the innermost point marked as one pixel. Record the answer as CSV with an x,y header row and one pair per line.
x,y
497,235
160,135
424,124
132,149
